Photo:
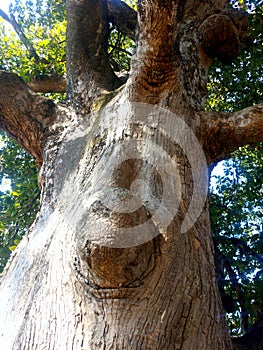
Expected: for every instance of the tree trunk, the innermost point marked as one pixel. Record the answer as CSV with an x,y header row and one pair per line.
x,y
120,255
115,279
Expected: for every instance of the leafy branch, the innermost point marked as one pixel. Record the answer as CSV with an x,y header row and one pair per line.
x,y
22,36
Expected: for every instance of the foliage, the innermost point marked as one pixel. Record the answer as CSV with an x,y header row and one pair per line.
x,y
44,25
19,197
237,224
240,84
236,200
121,49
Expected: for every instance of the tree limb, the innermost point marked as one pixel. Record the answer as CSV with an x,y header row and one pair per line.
x,y
223,133
88,68
234,281
48,83
123,17
22,36
57,83
24,115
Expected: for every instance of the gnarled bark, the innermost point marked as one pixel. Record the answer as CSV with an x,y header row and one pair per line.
x,y
24,115
225,132
88,68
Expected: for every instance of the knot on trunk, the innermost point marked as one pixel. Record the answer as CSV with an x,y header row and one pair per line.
x,y
222,34
116,272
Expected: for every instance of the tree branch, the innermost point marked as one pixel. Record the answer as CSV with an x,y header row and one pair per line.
x,y
154,66
253,340
48,83
123,17
88,68
22,36
224,132
234,281
162,16
58,83
24,115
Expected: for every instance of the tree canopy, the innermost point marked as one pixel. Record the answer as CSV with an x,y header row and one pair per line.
x,y
34,48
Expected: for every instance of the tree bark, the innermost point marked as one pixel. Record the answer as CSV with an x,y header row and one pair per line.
x,y
123,17
120,255
24,115
88,68
49,83
224,131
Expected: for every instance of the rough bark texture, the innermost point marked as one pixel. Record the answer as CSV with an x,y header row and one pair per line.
x,y
88,68
48,83
223,131
24,115
64,290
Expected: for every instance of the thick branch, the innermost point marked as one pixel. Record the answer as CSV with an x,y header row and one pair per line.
x,y
123,17
223,133
88,68
57,83
48,83
157,26
155,62
23,115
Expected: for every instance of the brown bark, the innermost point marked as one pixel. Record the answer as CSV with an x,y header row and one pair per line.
x,y
77,288
48,83
225,132
88,68
24,115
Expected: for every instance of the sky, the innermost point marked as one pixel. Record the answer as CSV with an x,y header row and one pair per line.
x,y
4,4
